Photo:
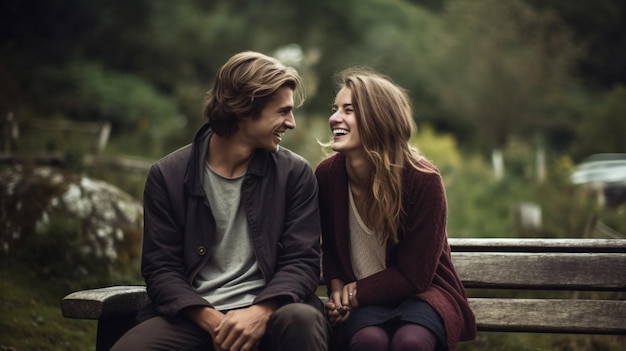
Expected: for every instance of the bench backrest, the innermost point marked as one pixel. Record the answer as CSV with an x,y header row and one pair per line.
x,y
523,266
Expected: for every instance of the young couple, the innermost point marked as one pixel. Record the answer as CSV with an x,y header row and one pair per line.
x,y
232,225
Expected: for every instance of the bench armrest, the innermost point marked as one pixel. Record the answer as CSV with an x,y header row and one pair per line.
x,y
104,302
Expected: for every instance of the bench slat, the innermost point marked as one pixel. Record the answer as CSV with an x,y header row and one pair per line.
x,y
550,315
536,245
563,271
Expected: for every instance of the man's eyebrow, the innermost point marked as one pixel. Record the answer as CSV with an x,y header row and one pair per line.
x,y
285,108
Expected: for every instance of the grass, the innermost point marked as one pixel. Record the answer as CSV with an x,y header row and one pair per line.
x,y
493,341
30,315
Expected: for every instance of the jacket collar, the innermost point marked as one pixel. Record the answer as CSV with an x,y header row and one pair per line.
x,y
195,168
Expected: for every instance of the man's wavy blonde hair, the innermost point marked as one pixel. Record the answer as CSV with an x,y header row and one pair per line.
x,y
242,88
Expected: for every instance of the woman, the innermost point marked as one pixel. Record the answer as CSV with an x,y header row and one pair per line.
x,y
386,259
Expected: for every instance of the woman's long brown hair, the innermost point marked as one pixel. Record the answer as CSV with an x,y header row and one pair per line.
x,y
385,123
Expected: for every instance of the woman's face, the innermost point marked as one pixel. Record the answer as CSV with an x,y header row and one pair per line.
x,y
343,124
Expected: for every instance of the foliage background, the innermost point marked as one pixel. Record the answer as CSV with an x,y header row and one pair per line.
x,y
522,77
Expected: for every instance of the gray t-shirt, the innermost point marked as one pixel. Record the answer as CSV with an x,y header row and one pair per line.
x,y
231,278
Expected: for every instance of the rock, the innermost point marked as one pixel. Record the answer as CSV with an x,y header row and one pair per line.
x,y
71,218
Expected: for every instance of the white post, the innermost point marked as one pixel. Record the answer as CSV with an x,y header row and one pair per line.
x,y
498,163
105,131
541,164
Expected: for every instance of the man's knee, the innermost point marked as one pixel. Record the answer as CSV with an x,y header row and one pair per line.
x,y
297,326
298,314
160,333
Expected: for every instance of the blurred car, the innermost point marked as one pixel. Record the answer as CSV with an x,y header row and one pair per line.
x,y
606,173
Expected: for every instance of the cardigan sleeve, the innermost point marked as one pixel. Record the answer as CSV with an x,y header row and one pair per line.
x,y
330,268
333,200
411,264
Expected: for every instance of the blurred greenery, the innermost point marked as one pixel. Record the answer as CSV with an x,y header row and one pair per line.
x,y
485,71
522,77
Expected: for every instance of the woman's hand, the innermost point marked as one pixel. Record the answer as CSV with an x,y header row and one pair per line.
x,y
338,307
349,295
336,312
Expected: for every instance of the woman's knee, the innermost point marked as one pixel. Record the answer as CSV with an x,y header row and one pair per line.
x,y
370,338
413,337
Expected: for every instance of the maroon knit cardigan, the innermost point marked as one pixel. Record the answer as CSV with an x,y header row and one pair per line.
x,y
418,265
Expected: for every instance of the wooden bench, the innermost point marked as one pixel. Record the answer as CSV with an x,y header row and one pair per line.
x,y
573,286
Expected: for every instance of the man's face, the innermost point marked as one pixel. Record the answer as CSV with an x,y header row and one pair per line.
x,y
267,131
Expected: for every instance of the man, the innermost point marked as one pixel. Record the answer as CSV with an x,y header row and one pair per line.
x,y
231,226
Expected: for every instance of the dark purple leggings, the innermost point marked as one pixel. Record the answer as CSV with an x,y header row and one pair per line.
x,y
408,337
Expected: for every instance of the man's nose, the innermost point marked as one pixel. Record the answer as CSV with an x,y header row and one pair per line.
x,y
290,121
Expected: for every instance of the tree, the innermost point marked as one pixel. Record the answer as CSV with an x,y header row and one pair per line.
x,y
600,25
604,130
504,69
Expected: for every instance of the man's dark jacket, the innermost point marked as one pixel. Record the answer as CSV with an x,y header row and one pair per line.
x,y
279,195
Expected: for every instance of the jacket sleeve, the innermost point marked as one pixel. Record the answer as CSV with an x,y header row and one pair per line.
x,y
163,267
297,271
420,247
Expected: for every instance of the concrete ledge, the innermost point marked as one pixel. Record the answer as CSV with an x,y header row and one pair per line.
x,y
104,302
